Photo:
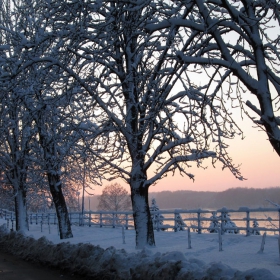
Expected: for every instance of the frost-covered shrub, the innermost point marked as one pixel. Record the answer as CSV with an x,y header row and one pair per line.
x,y
214,224
228,226
179,223
255,231
157,218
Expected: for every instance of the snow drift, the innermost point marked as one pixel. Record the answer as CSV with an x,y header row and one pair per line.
x,y
96,262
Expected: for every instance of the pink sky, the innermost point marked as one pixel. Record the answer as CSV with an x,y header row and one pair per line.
x,y
259,164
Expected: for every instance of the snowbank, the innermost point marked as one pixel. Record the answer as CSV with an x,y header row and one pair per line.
x,y
111,263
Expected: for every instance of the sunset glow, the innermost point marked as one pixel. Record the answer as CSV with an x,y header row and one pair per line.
x,y
259,165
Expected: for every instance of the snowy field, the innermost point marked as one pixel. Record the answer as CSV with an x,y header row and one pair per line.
x,y
170,259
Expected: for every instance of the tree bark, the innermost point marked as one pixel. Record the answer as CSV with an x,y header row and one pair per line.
x,y
60,206
141,214
21,211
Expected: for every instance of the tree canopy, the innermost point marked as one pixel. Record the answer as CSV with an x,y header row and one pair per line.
x,y
114,197
138,89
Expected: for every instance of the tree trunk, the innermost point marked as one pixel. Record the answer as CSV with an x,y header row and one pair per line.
x,y
60,206
21,211
142,218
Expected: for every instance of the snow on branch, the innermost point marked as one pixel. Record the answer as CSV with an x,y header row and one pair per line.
x,y
273,203
254,108
172,164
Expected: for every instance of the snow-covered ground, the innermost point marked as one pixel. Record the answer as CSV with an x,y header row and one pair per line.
x,y
105,250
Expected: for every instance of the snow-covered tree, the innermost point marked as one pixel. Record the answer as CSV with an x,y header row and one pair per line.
x,y
139,78
16,136
255,225
214,224
114,197
24,25
227,225
156,217
7,200
238,52
179,223
44,94
15,158
162,120
39,198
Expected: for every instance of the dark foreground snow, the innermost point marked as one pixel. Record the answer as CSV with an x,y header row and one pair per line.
x,y
111,263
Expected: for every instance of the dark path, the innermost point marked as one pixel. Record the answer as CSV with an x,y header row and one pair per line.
x,y
13,268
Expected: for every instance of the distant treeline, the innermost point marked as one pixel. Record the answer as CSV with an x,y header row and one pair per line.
x,y
231,198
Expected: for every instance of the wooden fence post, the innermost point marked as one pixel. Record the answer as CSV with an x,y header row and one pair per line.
x,y
114,220
223,212
100,219
89,219
175,220
262,244
220,240
198,223
248,223
123,235
189,238
126,221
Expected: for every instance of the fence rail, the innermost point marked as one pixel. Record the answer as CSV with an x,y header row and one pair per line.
x,y
264,219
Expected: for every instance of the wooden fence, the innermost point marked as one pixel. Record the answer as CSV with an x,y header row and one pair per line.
x,y
268,219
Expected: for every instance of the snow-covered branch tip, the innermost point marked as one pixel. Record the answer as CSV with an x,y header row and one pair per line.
x,y
273,203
